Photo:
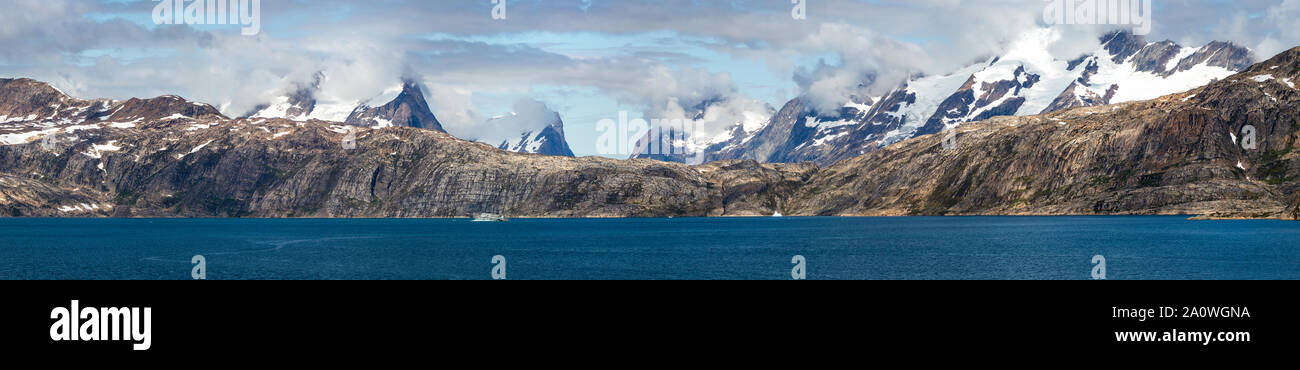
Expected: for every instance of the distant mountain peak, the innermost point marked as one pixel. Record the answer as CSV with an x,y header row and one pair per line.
x,y
547,139
298,104
160,108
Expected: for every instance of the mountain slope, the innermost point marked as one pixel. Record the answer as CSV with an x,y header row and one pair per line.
x,y
1026,80
214,166
31,110
548,140
407,109
1178,154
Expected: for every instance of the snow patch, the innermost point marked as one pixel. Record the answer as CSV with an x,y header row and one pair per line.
x,y
813,122
97,151
6,119
859,107
195,150
824,140
82,208
125,124
1183,53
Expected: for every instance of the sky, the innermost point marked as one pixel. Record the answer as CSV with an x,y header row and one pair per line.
x,y
588,60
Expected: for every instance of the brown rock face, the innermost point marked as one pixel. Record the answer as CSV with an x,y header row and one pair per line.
x,y
1179,154
281,168
408,109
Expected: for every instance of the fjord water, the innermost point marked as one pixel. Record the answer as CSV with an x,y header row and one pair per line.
x,y
1140,247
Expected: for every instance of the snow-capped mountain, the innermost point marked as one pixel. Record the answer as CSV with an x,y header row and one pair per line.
x,y
548,140
298,105
709,128
405,106
407,109
31,111
540,131
1026,80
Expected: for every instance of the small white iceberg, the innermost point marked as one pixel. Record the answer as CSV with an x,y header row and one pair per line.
x,y
490,217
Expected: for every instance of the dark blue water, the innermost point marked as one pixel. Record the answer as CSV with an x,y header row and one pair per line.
x,y
694,248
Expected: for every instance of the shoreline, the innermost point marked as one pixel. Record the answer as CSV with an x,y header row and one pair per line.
x,y
1189,217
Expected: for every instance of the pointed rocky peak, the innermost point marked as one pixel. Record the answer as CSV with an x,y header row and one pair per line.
x,y
542,130
1155,57
1071,65
301,103
408,109
547,141
1218,54
164,107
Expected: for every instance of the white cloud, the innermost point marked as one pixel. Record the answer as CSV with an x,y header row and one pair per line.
x,y
870,47
455,110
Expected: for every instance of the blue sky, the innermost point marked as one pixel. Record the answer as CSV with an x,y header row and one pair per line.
x,y
587,60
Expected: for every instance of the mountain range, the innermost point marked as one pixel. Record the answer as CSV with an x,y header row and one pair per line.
x,y
1026,80
1222,150
407,107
